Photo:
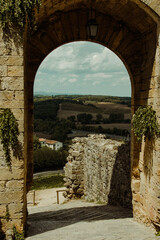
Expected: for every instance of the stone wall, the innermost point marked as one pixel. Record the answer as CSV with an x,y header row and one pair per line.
x,y
99,169
131,29
12,181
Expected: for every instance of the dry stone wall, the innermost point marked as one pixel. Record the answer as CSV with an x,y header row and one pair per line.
x,y
98,169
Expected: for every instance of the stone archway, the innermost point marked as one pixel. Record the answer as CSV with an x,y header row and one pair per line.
x,y
131,29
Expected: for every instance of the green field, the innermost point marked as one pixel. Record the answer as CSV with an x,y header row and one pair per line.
x,y
48,181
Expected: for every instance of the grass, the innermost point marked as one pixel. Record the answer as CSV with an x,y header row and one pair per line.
x,y
46,182
158,233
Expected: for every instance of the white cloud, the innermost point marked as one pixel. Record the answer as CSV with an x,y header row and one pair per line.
x,y
99,76
62,80
72,80
88,65
96,83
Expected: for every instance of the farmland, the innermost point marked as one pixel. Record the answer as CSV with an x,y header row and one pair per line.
x,y
94,108
58,116
67,117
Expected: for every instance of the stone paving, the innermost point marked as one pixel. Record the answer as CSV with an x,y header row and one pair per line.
x,y
79,220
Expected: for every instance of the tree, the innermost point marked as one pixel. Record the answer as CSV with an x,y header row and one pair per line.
x,y
72,118
47,159
36,143
84,118
116,117
99,117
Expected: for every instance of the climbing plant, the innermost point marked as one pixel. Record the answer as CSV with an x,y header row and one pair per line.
x,y
16,13
17,235
8,133
2,234
145,123
7,215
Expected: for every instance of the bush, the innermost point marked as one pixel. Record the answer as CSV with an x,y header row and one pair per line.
x,y
47,159
145,123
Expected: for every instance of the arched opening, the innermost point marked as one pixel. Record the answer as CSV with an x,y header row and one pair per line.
x,y
90,64
128,31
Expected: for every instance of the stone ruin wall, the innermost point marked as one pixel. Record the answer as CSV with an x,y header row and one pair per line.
x,y
98,169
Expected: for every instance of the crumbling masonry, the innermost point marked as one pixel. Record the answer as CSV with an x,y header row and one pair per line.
x,y
98,169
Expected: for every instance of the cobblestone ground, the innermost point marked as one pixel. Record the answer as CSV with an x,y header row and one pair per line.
x,y
79,220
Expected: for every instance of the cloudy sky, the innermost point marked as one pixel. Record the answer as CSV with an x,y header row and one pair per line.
x,y
83,68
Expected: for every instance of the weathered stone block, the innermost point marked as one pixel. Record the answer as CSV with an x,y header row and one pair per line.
x,y
15,61
14,184
135,186
5,173
11,83
3,70
16,210
15,71
2,210
2,186
11,197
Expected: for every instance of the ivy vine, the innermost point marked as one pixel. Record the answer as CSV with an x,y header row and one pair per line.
x,y
8,133
17,235
7,215
2,234
17,13
145,123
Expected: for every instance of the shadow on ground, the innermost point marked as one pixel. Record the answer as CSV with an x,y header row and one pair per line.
x,y
46,221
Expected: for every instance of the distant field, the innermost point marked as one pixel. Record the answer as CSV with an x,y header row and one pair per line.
x,y
67,113
79,107
113,125
108,107
104,108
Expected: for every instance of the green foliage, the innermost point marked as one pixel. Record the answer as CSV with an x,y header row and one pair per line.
x,y
157,233
8,133
16,13
84,118
2,234
17,235
36,143
99,117
60,129
7,216
145,123
72,118
57,129
46,110
47,159
79,99
99,129
49,181
116,118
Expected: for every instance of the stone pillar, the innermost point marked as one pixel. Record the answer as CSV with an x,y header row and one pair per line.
x,y
12,182
146,176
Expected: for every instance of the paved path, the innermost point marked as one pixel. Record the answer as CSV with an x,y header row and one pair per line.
x,y
37,175
79,220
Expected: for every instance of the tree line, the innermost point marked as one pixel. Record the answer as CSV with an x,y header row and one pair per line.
x,y
87,118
